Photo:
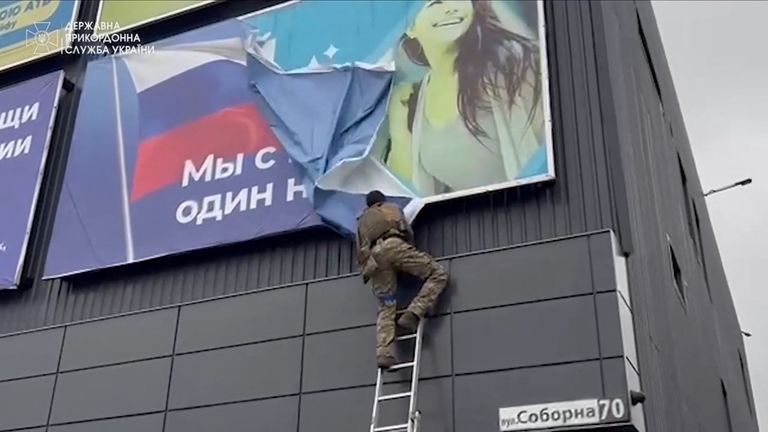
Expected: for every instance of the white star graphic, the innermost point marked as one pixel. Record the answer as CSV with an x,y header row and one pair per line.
x,y
313,63
331,51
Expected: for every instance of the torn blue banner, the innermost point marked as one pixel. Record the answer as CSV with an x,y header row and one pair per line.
x,y
322,73
328,121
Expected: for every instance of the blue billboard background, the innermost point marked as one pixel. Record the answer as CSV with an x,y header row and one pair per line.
x,y
27,111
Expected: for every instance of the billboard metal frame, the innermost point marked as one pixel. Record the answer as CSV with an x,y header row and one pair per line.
x,y
40,173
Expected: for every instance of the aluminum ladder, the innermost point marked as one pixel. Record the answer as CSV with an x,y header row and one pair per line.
x,y
414,415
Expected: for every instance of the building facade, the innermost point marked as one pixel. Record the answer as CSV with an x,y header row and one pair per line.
x,y
604,284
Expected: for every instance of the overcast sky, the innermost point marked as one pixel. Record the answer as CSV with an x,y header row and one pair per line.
x,y
718,56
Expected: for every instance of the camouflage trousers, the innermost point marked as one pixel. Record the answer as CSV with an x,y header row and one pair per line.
x,y
393,256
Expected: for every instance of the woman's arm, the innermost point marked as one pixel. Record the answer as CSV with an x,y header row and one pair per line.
x,y
400,159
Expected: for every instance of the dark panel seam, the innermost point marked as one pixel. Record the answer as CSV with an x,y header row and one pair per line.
x,y
170,372
301,361
56,379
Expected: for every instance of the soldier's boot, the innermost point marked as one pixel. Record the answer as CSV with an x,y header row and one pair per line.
x,y
385,361
409,321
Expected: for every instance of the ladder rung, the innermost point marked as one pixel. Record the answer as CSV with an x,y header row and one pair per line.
x,y
401,366
399,427
406,337
395,396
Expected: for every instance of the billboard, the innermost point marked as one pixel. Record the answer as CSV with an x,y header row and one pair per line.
x,y
115,15
27,112
31,29
169,159
270,123
467,111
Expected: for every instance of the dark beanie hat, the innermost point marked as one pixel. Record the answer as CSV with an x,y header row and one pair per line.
x,y
374,197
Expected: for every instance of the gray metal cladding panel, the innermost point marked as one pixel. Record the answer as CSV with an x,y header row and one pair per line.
x,y
602,252
523,274
29,354
609,324
618,379
478,397
615,377
111,391
234,374
349,410
25,403
531,334
278,415
339,359
348,358
122,339
337,411
339,303
242,319
145,423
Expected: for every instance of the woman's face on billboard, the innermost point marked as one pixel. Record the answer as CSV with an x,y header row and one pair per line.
x,y
442,21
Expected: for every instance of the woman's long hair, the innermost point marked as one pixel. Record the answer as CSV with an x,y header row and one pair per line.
x,y
491,62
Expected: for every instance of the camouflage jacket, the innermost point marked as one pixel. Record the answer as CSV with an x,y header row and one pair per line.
x,y
370,220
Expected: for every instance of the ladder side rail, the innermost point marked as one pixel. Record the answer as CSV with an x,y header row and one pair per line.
x,y
375,415
412,413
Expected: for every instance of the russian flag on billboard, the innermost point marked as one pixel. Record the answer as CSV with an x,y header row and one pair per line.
x,y
195,163
205,153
